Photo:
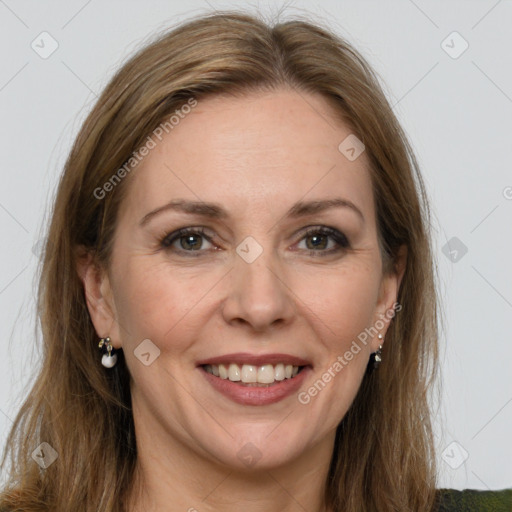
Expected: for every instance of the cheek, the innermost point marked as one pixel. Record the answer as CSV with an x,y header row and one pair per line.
x,y
343,308
154,301
343,299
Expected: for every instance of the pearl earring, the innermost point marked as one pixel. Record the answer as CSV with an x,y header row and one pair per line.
x,y
109,359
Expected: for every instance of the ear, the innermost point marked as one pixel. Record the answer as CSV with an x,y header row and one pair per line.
x,y
388,293
99,297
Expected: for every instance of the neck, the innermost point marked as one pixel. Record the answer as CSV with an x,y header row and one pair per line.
x,y
171,475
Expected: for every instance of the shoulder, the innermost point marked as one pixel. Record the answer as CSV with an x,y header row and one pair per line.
x,y
470,500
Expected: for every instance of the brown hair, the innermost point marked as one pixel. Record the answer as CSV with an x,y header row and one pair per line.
x,y
383,458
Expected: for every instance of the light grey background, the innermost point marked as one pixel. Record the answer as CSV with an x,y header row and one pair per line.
x,y
456,111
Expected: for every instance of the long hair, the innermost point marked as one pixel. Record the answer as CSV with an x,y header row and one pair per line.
x,y
383,459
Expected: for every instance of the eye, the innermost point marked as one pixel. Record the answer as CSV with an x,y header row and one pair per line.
x,y
187,240
319,241
324,240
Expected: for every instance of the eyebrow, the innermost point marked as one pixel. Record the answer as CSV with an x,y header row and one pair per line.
x,y
216,211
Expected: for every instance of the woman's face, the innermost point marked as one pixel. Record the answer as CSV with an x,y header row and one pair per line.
x,y
267,275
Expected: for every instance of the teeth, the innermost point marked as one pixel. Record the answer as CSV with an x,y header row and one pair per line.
x,y
249,374
234,373
279,372
223,372
266,374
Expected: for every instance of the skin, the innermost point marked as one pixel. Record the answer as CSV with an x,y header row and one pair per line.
x,y
256,156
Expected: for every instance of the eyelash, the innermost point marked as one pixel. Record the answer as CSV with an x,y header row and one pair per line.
x,y
337,236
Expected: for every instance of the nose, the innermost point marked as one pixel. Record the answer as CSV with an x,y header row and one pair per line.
x,y
258,295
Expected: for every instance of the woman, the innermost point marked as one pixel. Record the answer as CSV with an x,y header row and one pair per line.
x,y
241,229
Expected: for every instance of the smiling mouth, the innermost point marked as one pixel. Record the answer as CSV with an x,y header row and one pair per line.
x,y
253,376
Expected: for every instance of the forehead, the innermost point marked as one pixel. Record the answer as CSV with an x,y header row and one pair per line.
x,y
263,150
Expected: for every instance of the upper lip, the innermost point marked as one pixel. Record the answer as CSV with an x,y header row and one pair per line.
x,y
242,358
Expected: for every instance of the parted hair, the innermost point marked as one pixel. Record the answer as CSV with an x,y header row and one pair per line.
x,y
383,458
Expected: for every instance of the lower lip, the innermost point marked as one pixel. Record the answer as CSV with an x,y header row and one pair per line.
x,y
254,395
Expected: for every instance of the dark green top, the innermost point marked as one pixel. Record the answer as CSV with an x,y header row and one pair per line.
x,y
470,500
